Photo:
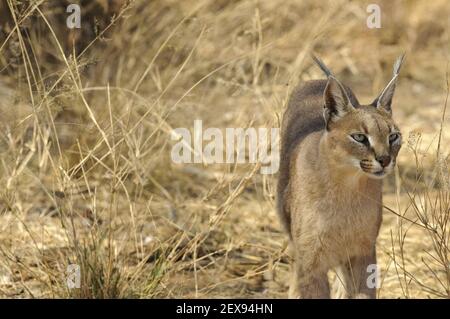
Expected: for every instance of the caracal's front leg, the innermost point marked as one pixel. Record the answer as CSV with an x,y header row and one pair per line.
x,y
308,284
357,278
342,287
365,272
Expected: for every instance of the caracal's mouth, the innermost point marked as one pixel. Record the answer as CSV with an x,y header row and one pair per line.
x,y
378,174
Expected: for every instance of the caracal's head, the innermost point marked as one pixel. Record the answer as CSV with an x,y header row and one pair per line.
x,y
363,138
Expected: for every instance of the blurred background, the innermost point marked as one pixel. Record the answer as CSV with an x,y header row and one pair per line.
x,y
85,122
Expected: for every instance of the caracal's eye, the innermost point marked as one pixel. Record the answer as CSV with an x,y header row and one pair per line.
x,y
393,137
360,138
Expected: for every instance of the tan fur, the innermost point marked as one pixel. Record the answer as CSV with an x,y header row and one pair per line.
x,y
329,193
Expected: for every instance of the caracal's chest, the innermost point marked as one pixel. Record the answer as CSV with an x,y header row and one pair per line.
x,y
339,223
351,222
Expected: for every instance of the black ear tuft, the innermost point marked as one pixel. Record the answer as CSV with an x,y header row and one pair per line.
x,y
384,100
322,66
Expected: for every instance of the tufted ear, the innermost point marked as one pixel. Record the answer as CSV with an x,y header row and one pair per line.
x,y
336,101
384,100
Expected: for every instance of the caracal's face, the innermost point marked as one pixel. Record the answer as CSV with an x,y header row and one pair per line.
x,y
366,140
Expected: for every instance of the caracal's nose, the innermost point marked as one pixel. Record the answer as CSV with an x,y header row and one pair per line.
x,y
384,160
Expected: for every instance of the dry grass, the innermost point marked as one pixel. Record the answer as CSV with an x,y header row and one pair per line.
x,y
85,142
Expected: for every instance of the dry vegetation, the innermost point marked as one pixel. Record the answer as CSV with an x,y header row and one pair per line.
x,y
86,116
